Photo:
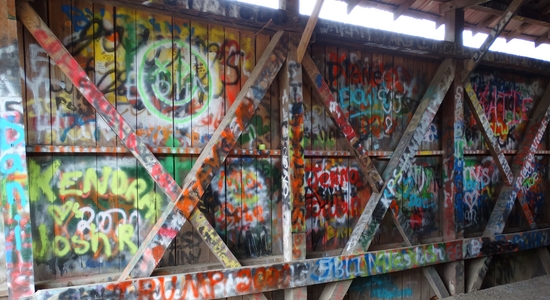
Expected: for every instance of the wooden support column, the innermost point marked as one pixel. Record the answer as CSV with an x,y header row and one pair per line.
x,y
453,165
293,163
454,27
522,163
154,245
17,233
401,160
290,5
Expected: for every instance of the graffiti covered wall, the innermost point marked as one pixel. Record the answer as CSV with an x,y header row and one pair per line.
x,y
173,80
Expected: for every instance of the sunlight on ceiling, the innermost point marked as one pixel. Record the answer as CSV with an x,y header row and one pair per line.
x,y
379,19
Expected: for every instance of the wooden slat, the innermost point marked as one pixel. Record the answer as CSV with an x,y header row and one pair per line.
x,y
521,165
273,276
339,118
401,160
16,217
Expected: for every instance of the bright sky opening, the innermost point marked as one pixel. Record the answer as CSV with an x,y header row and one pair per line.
x,y
379,19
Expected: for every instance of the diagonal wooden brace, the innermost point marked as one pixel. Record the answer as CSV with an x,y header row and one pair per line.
x,y
401,160
338,116
521,165
210,160
474,103
123,130
487,132
495,32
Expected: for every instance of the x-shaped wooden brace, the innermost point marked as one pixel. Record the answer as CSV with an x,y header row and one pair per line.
x,y
522,160
521,165
183,200
385,197
475,105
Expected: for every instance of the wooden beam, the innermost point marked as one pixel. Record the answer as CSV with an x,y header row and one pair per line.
x,y
14,192
517,32
522,163
306,36
274,276
123,130
290,5
502,22
498,8
454,142
352,4
486,22
402,8
543,38
454,28
338,117
293,163
400,162
456,4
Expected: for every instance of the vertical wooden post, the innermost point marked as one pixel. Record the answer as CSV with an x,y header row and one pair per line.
x,y
293,162
454,26
290,5
13,163
453,165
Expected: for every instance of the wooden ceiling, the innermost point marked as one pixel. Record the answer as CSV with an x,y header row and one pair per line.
x,y
531,23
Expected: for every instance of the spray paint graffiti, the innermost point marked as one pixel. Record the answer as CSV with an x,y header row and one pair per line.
x,y
507,104
16,215
379,287
481,178
170,70
534,189
91,215
377,95
420,196
246,280
240,202
335,196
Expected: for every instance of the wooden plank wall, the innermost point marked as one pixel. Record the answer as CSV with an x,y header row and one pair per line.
x,y
173,79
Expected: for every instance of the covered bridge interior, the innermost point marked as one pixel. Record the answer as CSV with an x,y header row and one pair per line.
x,y
205,149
